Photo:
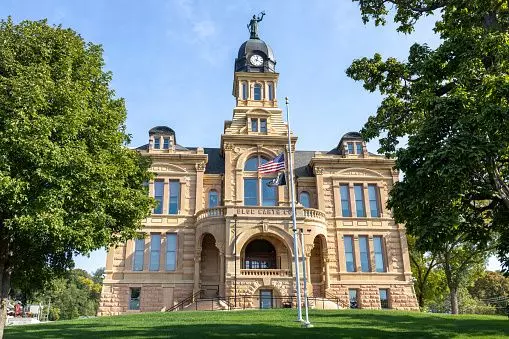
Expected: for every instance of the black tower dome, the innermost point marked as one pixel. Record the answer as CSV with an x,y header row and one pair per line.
x,y
254,54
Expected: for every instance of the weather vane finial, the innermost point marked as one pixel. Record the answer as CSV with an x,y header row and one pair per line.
x,y
253,25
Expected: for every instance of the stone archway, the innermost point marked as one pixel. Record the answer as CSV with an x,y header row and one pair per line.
x,y
209,268
265,251
317,266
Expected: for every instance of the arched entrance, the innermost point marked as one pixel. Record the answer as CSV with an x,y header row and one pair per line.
x,y
265,252
209,268
317,266
260,254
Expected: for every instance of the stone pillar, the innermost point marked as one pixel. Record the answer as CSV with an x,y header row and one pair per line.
x,y
319,189
371,248
166,196
228,173
365,196
197,260
200,168
356,253
221,269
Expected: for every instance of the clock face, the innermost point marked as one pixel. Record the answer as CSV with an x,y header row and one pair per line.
x,y
256,60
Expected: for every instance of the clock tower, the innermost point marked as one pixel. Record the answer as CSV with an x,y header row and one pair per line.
x,y
255,76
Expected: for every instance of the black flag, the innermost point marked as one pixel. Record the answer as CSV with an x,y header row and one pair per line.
x,y
280,180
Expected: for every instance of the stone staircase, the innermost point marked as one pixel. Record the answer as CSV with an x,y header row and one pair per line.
x,y
207,304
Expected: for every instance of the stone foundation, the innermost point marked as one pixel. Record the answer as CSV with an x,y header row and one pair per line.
x,y
153,297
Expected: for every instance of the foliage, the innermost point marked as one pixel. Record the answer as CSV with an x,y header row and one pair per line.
x,y
490,285
68,183
272,324
451,103
71,296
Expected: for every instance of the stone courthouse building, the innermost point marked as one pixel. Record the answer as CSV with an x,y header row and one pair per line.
x,y
220,229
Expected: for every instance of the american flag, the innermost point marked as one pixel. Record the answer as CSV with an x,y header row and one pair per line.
x,y
276,164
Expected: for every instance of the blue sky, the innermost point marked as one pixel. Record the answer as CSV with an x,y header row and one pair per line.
x,y
173,61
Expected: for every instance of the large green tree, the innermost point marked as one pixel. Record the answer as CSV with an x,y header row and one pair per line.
x,y
68,182
452,104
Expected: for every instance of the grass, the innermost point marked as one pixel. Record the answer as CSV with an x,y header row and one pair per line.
x,y
272,324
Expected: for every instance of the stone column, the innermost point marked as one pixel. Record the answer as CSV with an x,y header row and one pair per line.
x,y
365,196
166,196
356,253
197,260
200,168
220,246
371,247
319,189
228,197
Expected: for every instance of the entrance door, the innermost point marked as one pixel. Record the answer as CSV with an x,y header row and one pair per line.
x,y
265,298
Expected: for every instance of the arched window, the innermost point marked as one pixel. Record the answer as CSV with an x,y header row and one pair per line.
x,y
257,92
213,199
304,199
257,192
244,90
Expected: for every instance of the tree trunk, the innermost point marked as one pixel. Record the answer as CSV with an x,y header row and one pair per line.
x,y
5,282
420,299
454,300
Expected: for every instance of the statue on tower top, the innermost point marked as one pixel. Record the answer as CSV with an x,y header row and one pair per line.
x,y
253,26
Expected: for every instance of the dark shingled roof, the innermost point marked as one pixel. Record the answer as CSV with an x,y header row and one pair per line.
x,y
163,130
215,164
177,147
301,161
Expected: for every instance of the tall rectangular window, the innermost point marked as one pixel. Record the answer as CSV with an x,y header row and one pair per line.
x,y
157,142
345,200
349,256
350,147
134,298
174,203
384,298
271,91
139,249
263,125
358,147
359,200
171,251
250,192
158,195
166,143
364,253
257,92
244,91
379,254
254,125
352,295
268,193
374,200
155,251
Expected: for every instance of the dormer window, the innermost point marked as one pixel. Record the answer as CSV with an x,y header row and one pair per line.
x,y
270,89
166,143
254,125
244,90
354,147
263,125
258,125
257,92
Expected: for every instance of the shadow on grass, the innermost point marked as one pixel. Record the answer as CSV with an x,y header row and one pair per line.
x,y
327,325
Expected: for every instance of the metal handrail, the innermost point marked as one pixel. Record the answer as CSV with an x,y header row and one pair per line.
x,y
188,300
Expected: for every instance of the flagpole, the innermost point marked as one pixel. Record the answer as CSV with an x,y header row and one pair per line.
x,y
306,322
291,189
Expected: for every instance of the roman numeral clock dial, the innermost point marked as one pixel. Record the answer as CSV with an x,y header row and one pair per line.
x,y
256,60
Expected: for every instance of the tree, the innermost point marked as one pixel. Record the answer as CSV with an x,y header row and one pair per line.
x,y
423,264
451,103
68,183
492,288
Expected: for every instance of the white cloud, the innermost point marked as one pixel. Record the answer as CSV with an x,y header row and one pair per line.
x,y
204,29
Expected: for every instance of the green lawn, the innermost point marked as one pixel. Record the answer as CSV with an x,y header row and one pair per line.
x,y
272,324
